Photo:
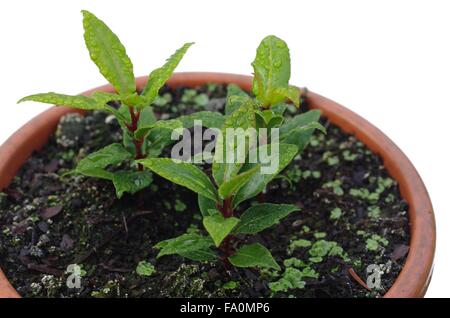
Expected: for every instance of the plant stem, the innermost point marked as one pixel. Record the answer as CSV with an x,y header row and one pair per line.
x,y
227,211
138,142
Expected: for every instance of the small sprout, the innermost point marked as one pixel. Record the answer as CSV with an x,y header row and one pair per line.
x,y
348,156
332,161
324,248
389,198
298,244
316,174
335,214
365,194
231,285
374,211
294,174
201,100
292,279
294,262
319,235
180,206
374,241
163,100
211,87
306,174
188,95
336,186
371,244
316,259
145,268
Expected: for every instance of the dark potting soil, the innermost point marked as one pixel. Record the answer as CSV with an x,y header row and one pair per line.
x,y
352,218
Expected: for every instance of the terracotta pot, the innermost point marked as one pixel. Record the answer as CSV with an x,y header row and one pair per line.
x,y
415,275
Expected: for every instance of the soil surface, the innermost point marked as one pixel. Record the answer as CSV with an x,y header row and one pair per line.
x,y
351,216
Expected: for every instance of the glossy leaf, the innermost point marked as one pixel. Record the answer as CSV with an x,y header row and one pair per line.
x,y
156,140
205,204
235,97
184,244
258,181
130,181
201,255
159,76
261,216
219,227
108,54
76,101
268,119
272,70
254,255
170,125
230,187
147,117
299,121
244,118
209,119
182,173
105,97
95,173
279,108
109,155
300,128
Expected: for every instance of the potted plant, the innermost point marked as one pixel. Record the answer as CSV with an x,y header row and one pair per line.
x,y
114,204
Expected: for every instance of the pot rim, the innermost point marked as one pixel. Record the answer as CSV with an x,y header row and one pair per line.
x,y
416,273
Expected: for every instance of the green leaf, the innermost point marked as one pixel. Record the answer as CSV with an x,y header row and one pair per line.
x,y
209,119
219,227
77,101
95,173
105,97
182,173
147,117
299,121
235,97
184,244
130,181
205,204
156,140
268,119
258,181
202,255
230,187
254,255
109,155
108,54
159,76
279,108
299,129
272,69
262,216
170,125
292,93
244,118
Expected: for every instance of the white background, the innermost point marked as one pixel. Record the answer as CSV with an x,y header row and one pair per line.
x,y
387,60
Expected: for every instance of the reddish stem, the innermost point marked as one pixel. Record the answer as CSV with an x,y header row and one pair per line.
x,y
138,142
226,247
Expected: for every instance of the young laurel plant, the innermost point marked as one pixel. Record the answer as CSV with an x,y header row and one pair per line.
x,y
237,181
143,134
